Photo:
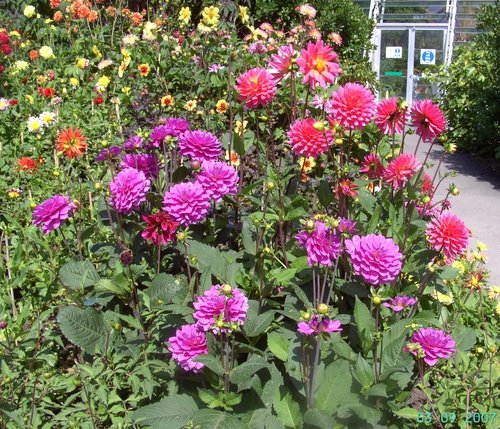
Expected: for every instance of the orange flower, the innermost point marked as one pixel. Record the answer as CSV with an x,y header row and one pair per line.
x,y
144,69
33,55
58,16
167,101
71,142
92,17
136,18
221,106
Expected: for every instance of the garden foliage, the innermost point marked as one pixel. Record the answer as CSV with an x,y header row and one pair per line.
x,y
209,223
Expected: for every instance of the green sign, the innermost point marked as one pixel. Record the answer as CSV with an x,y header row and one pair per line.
x,y
393,73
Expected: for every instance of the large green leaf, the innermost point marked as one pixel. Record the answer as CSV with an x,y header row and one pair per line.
x,y
86,329
364,372
163,288
257,325
335,387
365,324
263,419
212,419
287,408
78,274
173,412
278,344
247,369
211,362
319,419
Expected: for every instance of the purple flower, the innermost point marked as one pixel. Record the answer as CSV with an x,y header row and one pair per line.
x,y
317,325
318,102
218,179
257,48
347,226
187,203
108,154
376,258
214,68
128,190
216,305
50,214
399,303
431,345
147,163
159,133
133,143
200,145
322,244
177,125
188,342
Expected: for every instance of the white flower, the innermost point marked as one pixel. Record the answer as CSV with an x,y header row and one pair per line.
x,y
4,103
35,125
46,52
29,11
48,118
129,39
21,65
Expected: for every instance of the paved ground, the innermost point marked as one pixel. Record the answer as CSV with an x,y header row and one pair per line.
x,y
478,204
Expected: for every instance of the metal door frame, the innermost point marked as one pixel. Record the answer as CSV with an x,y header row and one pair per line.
x,y
411,28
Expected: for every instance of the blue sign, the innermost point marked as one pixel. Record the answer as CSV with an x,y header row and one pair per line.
x,y
427,56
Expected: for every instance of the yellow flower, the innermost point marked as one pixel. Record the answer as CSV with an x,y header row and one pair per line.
x,y
494,292
203,28
481,246
29,98
235,159
307,164
221,106
185,15
29,11
82,63
126,90
167,100
123,67
210,15
244,14
237,128
73,81
21,65
125,53
445,299
459,265
46,52
96,52
104,81
15,33
144,69
13,193
190,105
48,118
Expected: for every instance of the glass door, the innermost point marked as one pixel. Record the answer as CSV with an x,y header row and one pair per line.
x,y
393,63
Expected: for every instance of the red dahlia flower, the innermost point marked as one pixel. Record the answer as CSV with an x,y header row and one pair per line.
x,y
160,228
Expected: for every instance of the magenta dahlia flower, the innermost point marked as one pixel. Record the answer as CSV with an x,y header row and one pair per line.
x,y
160,133
448,234
218,179
187,203
372,166
375,258
308,141
281,63
318,325
401,169
322,244
188,342
391,116
160,228
128,190
220,303
50,214
145,162
352,106
256,88
429,119
399,303
200,145
177,125
431,345
133,143
318,63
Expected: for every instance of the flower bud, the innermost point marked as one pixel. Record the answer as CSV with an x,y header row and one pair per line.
x,y
310,224
219,323
98,186
181,236
322,308
339,141
426,199
266,250
270,185
227,289
319,125
56,173
479,350
306,316
32,204
454,191
376,300
195,164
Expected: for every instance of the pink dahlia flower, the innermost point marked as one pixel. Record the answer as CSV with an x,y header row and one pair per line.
x,y
352,106
448,234
200,145
256,88
429,119
375,258
218,305
177,125
187,203
188,342
160,133
401,169
391,116
399,303
318,325
50,214
218,179
318,63
147,163
160,228
431,344
372,166
281,62
308,141
128,190
322,244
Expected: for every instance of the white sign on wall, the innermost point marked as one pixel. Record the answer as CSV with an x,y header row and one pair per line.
x,y
393,52
427,56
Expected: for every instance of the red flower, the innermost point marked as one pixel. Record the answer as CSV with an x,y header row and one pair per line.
x,y
347,188
256,87
27,164
427,186
429,119
33,55
352,106
13,102
391,116
71,142
160,228
4,38
98,100
372,166
6,49
448,234
46,92
307,140
401,169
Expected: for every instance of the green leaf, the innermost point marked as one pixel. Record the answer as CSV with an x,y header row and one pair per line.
x,y
377,390
212,419
78,274
283,276
287,409
364,372
465,338
86,329
364,323
319,418
367,200
407,413
211,362
163,288
107,285
325,195
173,412
263,419
278,344
247,369
335,387
257,325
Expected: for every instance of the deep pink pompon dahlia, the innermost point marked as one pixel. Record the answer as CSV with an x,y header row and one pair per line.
x,y
200,145
429,119
218,179
448,234
352,106
375,258
322,244
128,190
308,141
401,169
433,343
391,116
50,214
188,342
187,203
256,88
